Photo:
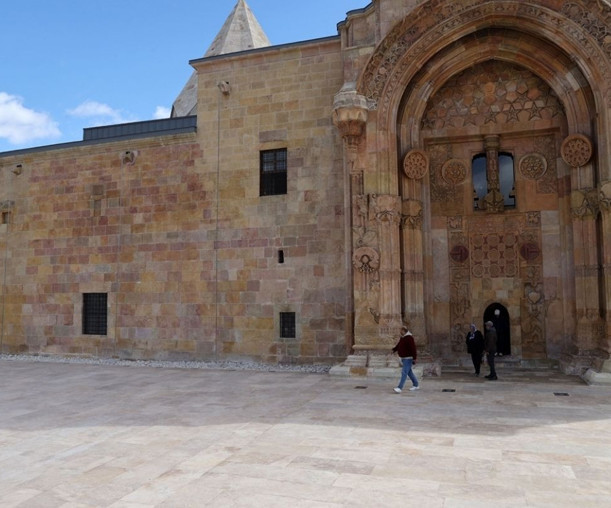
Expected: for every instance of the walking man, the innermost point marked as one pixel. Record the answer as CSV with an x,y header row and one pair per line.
x,y
406,349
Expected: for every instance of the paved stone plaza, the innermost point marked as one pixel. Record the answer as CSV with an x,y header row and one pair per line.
x,y
74,435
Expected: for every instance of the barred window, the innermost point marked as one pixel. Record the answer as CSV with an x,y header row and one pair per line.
x,y
95,313
273,168
287,325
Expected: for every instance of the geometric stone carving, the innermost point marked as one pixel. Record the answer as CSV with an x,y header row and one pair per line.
x,y
530,251
411,214
459,253
533,166
493,255
454,171
492,92
416,164
576,150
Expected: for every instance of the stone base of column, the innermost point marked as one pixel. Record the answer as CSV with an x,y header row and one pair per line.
x,y
376,362
603,377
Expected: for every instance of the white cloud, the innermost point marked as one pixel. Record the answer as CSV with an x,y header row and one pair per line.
x,y
19,124
101,113
162,112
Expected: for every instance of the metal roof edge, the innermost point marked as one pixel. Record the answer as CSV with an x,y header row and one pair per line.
x,y
265,49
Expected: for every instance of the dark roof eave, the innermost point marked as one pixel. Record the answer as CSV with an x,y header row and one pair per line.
x,y
76,144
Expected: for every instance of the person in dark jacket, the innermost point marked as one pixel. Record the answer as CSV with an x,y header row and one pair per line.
x,y
490,348
475,347
406,349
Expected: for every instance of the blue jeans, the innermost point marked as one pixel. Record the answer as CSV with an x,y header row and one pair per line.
x,y
406,372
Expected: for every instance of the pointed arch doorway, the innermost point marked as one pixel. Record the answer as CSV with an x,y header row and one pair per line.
x,y
499,315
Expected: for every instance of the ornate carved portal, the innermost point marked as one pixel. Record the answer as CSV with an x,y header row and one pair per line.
x,y
486,252
451,82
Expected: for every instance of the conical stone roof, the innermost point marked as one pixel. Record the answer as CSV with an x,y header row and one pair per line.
x,y
240,32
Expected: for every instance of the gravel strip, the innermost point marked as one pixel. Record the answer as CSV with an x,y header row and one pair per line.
x,y
216,365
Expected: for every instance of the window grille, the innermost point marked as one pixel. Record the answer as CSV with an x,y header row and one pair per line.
x,y
506,179
95,313
273,167
287,325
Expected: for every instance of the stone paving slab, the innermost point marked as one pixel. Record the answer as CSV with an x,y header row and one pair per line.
x,y
75,436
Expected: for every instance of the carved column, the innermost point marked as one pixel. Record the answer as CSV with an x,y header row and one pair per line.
x,y
415,167
350,116
493,201
386,212
577,151
604,199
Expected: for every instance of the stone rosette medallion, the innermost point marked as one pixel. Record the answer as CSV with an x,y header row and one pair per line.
x,y
454,171
416,164
576,150
533,166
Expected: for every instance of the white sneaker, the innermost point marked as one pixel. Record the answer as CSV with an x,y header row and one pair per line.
x,y
397,390
414,388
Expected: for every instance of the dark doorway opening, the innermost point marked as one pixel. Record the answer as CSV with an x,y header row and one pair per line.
x,y
498,314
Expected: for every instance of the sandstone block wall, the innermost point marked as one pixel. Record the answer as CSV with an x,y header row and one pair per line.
x,y
179,238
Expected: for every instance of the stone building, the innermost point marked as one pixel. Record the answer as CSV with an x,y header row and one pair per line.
x,y
438,162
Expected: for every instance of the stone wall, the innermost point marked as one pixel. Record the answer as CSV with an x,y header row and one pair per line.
x,y
173,229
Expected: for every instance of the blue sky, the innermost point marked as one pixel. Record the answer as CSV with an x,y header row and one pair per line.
x,y
70,64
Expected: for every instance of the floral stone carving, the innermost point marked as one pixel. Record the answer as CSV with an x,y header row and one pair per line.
x,y
576,150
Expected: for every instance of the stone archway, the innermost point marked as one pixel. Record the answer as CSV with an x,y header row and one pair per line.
x,y
518,73
440,263
498,314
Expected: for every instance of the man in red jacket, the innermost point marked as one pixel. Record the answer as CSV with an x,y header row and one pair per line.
x,y
406,349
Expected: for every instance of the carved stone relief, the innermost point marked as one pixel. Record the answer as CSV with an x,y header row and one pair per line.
x,y
576,150
545,146
533,297
604,196
445,196
385,208
434,20
412,214
460,290
584,203
492,92
532,166
416,164
366,260
492,248
494,254
454,171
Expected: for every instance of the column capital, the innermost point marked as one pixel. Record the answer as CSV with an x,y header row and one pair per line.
x,y
604,196
350,113
585,203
